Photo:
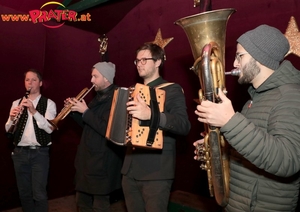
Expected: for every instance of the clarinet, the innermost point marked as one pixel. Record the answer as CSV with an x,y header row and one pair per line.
x,y
14,125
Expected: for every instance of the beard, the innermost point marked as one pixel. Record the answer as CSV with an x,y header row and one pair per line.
x,y
250,71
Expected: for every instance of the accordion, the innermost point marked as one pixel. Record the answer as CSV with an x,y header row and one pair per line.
x,y
123,129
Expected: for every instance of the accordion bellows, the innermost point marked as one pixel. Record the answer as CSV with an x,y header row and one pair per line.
x,y
123,129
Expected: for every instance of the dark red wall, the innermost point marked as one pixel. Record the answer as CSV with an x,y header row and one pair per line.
x,y
65,56
142,24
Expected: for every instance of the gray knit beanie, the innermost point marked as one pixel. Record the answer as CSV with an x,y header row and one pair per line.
x,y
265,44
107,69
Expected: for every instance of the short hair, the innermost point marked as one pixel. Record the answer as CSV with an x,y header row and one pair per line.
x,y
156,51
39,75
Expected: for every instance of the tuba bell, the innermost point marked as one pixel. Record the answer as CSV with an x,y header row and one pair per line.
x,y
206,33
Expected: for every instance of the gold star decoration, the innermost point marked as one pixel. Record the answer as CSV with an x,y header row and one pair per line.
x,y
293,35
160,41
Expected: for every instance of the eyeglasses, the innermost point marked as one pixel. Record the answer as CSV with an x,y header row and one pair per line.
x,y
142,60
238,57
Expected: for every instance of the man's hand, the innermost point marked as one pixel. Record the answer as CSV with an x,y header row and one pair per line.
x,y
14,112
29,104
139,109
67,102
197,144
215,114
79,106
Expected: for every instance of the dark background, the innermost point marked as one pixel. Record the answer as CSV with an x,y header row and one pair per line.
x,y
65,56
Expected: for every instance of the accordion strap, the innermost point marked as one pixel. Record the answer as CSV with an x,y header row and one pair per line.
x,y
155,117
164,85
155,114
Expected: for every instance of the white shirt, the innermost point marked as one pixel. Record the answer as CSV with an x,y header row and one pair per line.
x,y
28,137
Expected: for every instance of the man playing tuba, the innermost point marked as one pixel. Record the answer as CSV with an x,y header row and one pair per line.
x,y
265,136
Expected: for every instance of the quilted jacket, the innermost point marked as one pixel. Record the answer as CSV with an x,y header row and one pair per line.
x,y
265,141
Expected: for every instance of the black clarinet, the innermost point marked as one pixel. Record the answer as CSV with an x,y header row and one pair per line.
x,y
14,125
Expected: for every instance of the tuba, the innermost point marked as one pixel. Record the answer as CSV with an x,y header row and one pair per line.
x,y
206,34
67,109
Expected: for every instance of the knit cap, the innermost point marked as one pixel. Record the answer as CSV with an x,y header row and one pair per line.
x,y
265,44
107,69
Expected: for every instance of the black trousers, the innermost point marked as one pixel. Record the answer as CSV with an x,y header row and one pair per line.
x,y
146,195
92,203
31,168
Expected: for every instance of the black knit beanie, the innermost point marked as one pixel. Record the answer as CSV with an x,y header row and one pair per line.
x,y
265,44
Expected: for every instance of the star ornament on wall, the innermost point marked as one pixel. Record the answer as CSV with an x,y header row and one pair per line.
x,y
293,35
160,41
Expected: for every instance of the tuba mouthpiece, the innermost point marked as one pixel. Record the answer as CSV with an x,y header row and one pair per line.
x,y
234,72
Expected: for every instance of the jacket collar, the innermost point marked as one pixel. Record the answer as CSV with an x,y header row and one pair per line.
x,y
285,74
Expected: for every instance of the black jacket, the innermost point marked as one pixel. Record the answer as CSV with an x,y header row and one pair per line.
x,y
148,164
98,161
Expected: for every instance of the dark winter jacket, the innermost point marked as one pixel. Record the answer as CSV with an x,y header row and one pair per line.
x,y
98,161
265,136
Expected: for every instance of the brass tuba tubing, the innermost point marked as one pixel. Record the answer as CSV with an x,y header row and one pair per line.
x,y
206,34
66,110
